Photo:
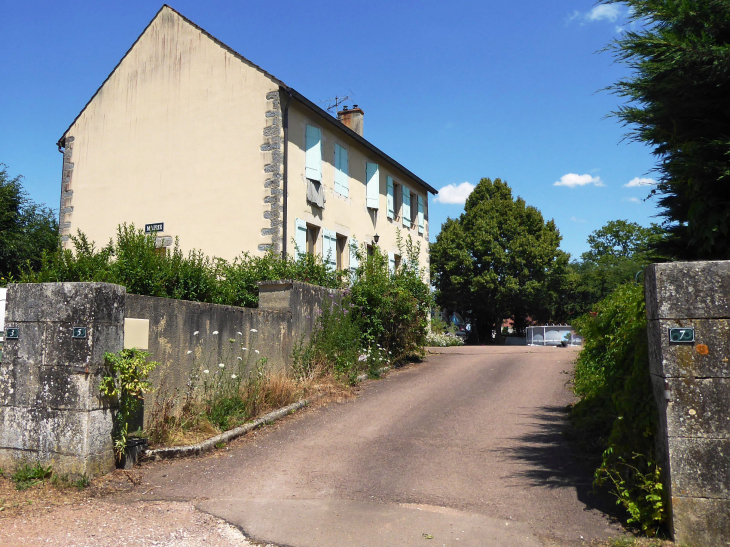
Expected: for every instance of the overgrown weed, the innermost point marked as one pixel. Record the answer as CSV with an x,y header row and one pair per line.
x,y
615,418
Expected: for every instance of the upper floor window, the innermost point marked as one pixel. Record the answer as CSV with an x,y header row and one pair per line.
x,y
313,147
421,215
406,207
342,179
372,176
390,197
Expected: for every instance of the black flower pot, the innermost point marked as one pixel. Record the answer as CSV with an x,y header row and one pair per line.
x,y
133,450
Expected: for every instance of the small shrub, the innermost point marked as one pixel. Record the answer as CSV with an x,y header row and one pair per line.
x,y
443,340
392,306
62,481
127,379
27,475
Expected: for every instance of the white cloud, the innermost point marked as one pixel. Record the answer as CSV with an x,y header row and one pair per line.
x,y
636,182
454,194
571,180
632,200
577,219
572,17
609,12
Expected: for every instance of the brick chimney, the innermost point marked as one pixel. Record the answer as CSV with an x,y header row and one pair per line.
x,y
352,118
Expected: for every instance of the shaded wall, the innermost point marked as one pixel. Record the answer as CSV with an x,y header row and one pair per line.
x,y
51,410
691,383
188,338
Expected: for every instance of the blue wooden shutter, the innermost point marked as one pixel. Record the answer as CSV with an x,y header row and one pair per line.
x,y
313,168
391,262
329,248
389,199
300,238
421,223
342,183
373,185
354,260
406,207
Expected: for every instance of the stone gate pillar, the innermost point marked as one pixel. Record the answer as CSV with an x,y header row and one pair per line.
x,y
688,307
50,407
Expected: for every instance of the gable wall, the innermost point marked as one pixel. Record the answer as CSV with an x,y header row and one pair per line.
x,y
176,135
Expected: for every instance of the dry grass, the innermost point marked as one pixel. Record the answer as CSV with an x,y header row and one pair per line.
x,y
47,495
635,542
188,425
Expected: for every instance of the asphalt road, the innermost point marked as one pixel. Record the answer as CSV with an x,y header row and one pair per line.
x,y
463,449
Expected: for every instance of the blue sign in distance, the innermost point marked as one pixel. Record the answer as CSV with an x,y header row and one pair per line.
x,y
79,332
11,333
683,335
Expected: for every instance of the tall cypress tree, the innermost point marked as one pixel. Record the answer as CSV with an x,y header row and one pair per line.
x,y
679,103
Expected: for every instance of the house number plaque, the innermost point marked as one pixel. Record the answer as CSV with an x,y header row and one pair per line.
x,y
681,335
79,332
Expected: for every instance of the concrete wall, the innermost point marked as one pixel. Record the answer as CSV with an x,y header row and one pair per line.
x,y
50,406
190,337
691,384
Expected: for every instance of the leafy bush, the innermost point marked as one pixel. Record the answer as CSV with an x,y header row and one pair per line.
x,y
616,410
134,261
393,306
126,377
382,319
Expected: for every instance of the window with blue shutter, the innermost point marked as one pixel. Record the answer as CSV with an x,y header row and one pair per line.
x,y
300,238
313,164
389,199
329,248
354,260
421,223
406,207
391,262
342,182
372,176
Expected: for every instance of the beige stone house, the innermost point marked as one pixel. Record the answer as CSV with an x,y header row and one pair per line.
x,y
190,139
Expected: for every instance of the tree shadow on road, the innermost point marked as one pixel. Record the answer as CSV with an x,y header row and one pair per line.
x,y
551,460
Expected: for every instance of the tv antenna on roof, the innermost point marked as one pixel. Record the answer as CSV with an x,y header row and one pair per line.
x,y
334,104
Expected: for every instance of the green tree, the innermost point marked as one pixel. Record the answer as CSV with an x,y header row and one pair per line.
x,y
618,251
498,259
27,229
677,103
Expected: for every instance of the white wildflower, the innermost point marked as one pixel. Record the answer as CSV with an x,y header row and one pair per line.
x,y
363,357
196,333
206,371
240,358
254,330
239,333
215,332
190,351
234,376
257,351
221,365
244,349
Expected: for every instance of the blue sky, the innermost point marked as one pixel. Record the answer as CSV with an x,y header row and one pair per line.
x,y
455,91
